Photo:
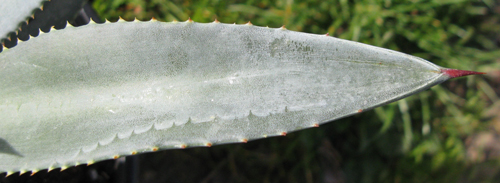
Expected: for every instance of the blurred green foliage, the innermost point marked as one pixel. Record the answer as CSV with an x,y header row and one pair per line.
x,y
429,137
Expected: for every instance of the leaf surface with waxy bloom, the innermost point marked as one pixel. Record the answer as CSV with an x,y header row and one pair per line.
x,y
104,90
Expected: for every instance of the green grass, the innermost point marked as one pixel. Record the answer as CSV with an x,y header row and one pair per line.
x,y
428,137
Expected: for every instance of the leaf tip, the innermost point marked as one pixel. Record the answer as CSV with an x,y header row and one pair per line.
x,y
453,73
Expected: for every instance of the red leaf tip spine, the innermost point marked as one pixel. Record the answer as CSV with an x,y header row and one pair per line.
x,y
453,73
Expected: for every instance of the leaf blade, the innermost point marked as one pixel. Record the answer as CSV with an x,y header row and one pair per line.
x,y
142,86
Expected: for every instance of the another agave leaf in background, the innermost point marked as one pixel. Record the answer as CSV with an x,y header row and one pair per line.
x,y
100,91
55,14
13,13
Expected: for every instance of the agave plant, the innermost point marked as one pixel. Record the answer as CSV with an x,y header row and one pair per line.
x,y
101,91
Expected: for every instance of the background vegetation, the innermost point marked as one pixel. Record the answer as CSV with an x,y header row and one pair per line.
x,y
450,133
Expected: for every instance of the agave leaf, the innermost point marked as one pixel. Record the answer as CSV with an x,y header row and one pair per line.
x,y
13,12
100,91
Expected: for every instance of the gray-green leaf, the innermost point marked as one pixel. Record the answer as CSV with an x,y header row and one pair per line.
x,y
96,92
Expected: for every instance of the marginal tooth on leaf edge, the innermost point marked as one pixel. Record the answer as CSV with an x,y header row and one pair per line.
x,y
120,19
249,23
189,20
116,156
208,144
283,133
182,146
22,172
216,21
9,173
154,149
133,152
92,21
153,19
327,34
63,168
90,162
315,125
359,110
283,27
244,140
174,21
33,172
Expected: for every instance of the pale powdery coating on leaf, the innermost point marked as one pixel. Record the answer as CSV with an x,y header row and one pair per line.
x,y
13,12
95,92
